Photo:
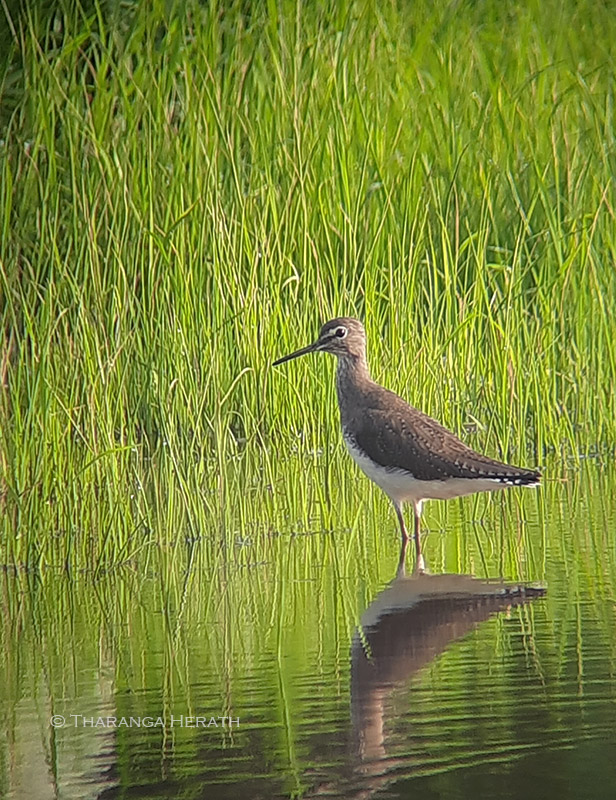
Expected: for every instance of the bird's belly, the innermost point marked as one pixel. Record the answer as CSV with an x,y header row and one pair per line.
x,y
401,486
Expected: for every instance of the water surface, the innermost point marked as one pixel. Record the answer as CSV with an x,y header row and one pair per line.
x,y
316,666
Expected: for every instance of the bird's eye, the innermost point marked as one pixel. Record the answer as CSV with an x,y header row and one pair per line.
x,y
340,333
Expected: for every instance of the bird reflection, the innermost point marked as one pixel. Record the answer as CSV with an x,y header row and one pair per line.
x,y
405,627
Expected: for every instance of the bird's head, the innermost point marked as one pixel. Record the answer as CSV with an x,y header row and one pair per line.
x,y
344,337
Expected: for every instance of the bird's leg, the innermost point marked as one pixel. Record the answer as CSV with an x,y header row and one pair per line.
x,y
420,565
401,571
405,536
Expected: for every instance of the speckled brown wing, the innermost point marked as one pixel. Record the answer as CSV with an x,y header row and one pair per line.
x,y
403,437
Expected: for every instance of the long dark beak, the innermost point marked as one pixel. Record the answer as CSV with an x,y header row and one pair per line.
x,y
310,349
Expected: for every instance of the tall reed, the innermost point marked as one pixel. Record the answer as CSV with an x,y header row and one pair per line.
x,y
189,190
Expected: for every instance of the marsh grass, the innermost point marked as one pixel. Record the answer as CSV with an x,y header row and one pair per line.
x,y
189,190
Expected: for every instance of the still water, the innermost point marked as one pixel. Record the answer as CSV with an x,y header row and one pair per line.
x,y
320,666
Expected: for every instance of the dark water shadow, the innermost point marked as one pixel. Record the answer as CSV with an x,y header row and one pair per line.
x,y
407,625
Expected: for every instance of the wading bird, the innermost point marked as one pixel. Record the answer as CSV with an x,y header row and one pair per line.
x,y
408,454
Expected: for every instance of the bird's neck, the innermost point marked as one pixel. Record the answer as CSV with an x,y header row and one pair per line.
x,y
352,375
